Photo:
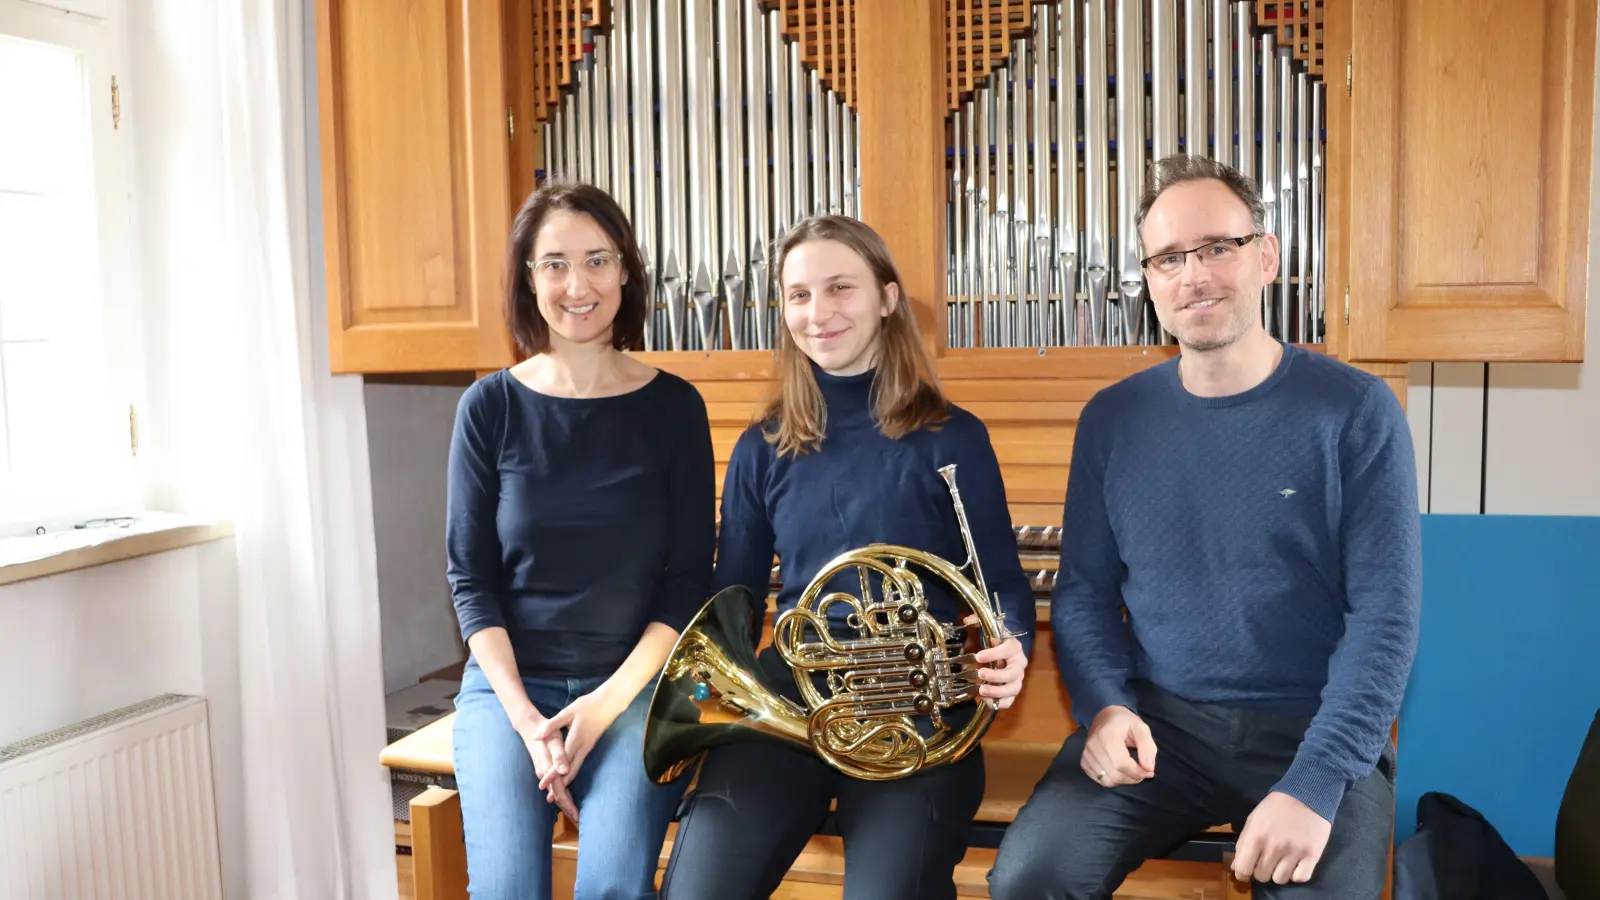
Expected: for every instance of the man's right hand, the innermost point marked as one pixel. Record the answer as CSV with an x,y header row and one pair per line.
x,y
1115,731
549,753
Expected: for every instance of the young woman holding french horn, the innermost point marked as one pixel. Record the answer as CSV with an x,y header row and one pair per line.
x,y
857,448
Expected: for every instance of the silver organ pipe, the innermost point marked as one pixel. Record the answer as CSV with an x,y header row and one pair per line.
x,y
1196,128
1164,77
700,118
1244,69
1286,180
1223,111
1038,259
1130,162
1066,225
704,122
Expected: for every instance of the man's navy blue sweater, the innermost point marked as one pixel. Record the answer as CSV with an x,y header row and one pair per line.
x,y
860,488
1266,546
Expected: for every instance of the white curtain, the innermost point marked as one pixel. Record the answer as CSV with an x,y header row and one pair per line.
x,y
222,106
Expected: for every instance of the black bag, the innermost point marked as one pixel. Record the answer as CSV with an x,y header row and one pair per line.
x,y
1577,859
1457,855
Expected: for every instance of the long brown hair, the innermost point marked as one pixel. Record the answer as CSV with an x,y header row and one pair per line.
x,y
905,391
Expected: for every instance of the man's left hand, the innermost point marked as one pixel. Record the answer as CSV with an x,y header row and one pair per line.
x,y
1282,841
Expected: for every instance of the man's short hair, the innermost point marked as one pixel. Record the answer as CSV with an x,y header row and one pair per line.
x,y
1181,167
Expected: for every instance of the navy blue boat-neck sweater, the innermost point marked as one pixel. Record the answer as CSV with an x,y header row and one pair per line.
x,y
860,488
574,523
1266,546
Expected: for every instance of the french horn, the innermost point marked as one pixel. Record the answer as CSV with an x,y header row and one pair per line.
x,y
879,712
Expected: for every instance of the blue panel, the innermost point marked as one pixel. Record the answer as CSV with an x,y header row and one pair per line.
x,y
1507,679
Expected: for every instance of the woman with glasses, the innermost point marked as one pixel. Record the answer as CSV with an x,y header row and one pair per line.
x,y
580,536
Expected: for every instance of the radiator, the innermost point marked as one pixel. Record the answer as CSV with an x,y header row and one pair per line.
x,y
117,807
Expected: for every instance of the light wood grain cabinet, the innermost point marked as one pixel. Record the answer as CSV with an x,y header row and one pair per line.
x,y
1458,168
1467,164
416,172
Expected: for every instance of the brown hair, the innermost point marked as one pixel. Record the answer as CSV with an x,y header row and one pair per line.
x,y
521,309
1179,168
905,391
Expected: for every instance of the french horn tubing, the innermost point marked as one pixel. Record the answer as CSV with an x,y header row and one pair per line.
x,y
874,703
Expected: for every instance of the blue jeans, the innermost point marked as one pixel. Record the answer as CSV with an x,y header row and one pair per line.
x,y
508,823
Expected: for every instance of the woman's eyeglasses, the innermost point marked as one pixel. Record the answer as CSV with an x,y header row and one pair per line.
x,y
601,268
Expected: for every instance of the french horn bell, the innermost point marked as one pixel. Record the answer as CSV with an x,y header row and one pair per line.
x,y
873,704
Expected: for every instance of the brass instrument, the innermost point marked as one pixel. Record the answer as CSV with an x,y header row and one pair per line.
x,y
901,670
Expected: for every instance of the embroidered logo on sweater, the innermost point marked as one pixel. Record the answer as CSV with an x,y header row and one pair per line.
x,y
1286,492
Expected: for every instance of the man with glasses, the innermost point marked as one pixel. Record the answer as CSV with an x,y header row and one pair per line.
x,y
1237,608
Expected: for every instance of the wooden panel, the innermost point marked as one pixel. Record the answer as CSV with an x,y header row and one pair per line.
x,y
1336,171
438,856
901,103
382,96
1052,453
1037,513
1029,403
979,35
1299,25
554,34
1470,126
1029,417
988,390
523,52
416,198
825,32
1042,713
1103,364
734,415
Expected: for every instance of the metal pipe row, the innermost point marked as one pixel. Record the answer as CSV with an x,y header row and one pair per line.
x,y
1037,259
699,117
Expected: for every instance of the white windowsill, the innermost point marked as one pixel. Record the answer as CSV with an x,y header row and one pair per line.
x,y
36,556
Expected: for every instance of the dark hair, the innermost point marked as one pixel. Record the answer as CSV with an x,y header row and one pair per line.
x,y
1181,167
523,319
906,396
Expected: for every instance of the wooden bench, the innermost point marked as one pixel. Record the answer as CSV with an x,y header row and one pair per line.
x,y
1018,749
1014,767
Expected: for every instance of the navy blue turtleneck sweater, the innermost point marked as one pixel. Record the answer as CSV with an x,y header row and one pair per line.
x,y
574,523
860,488
1266,546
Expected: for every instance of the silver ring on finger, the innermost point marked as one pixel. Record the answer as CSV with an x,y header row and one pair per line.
x,y
1101,776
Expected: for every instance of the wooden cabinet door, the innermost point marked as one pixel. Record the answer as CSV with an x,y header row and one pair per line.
x,y
1469,177
415,183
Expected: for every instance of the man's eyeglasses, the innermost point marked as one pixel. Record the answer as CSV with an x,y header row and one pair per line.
x,y
601,268
1216,253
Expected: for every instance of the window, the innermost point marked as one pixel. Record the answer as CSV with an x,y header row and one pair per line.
x,y
71,377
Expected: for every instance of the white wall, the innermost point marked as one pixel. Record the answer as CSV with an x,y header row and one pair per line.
x,y
82,643
408,447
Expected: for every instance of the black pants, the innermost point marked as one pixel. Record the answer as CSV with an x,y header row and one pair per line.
x,y
757,804
1077,839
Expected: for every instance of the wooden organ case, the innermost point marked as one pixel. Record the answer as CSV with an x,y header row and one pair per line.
x,y
1426,164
